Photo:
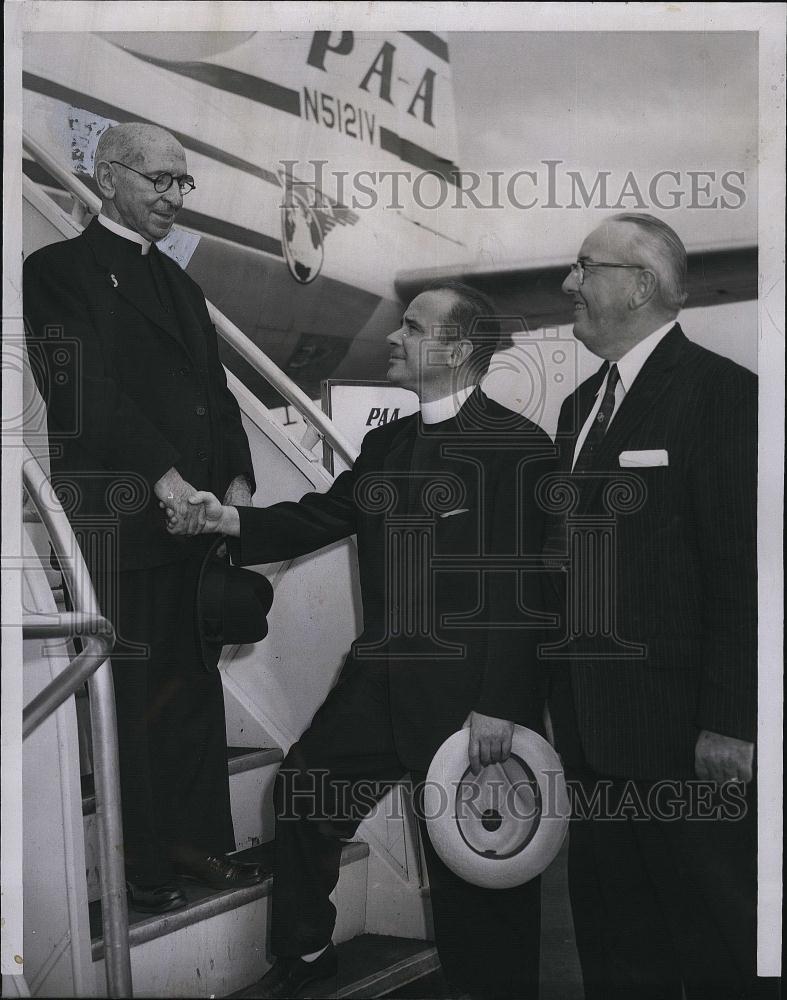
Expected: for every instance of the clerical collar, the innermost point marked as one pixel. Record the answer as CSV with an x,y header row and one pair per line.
x,y
127,234
447,407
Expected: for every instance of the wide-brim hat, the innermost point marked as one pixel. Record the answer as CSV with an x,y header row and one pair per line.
x,y
504,826
232,604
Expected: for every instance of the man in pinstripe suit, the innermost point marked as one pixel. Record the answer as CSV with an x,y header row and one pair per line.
x,y
653,695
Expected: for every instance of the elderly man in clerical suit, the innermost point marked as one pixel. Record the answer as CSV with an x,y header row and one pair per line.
x,y
653,698
445,640
144,414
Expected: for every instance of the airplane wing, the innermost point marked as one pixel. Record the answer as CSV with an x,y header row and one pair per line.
x,y
716,275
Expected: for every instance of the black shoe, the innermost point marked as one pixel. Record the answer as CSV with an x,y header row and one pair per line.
x,y
217,873
288,976
147,898
248,867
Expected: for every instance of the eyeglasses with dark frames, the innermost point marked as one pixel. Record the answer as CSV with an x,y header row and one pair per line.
x,y
163,182
579,267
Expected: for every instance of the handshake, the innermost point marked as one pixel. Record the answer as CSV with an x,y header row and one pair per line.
x,y
196,512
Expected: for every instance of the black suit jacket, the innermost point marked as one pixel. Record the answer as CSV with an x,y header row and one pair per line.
x,y
133,386
684,557
446,518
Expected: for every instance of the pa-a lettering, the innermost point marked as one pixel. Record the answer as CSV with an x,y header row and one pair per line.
x,y
379,416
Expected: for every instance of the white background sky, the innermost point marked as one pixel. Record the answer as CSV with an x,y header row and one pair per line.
x,y
641,101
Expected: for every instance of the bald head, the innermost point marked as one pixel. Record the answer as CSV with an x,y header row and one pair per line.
x,y
128,142
128,157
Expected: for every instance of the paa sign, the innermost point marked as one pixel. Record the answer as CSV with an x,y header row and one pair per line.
x,y
357,407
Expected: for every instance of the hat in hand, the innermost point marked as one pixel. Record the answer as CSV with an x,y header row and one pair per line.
x,y
504,826
232,604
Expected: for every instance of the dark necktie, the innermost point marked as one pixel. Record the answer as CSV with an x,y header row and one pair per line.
x,y
600,423
554,548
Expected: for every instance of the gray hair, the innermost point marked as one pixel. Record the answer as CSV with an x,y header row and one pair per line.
x,y
126,142
662,250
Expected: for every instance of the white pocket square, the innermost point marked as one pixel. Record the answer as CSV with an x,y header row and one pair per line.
x,y
640,459
459,510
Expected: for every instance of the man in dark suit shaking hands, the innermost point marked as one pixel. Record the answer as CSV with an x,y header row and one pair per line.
x,y
653,695
438,500
144,415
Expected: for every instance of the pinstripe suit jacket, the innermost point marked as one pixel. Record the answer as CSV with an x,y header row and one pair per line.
x,y
681,656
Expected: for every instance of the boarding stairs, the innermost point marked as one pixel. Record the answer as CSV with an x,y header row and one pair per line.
x,y
216,946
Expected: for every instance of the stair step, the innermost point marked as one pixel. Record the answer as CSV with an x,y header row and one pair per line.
x,y
373,965
239,760
203,902
252,771
433,986
242,759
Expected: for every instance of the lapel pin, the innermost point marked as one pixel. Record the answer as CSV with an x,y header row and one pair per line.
x,y
113,280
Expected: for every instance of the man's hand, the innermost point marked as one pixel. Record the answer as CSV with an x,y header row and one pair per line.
x,y
173,492
213,517
490,740
238,493
723,758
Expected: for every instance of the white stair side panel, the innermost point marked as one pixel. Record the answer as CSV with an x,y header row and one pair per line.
x,y
284,679
397,901
211,958
56,926
251,796
243,728
276,686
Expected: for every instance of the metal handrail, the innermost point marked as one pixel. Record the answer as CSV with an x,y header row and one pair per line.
x,y
114,906
284,385
54,167
230,333
98,638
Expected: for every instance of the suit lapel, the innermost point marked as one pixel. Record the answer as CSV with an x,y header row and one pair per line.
x,y
652,382
109,260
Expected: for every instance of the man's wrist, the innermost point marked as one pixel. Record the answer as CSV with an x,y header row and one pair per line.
x,y
167,483
230,521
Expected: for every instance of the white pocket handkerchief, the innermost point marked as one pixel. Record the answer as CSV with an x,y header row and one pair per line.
x,y
641,459
459,510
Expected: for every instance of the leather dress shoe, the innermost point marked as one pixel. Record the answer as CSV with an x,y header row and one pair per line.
x,y
147,898
249,867
288,976
218,873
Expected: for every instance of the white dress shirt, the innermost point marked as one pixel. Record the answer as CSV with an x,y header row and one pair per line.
x,y
125,232
629,366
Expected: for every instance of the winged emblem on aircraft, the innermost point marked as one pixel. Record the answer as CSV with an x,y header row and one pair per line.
x,y
307,217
